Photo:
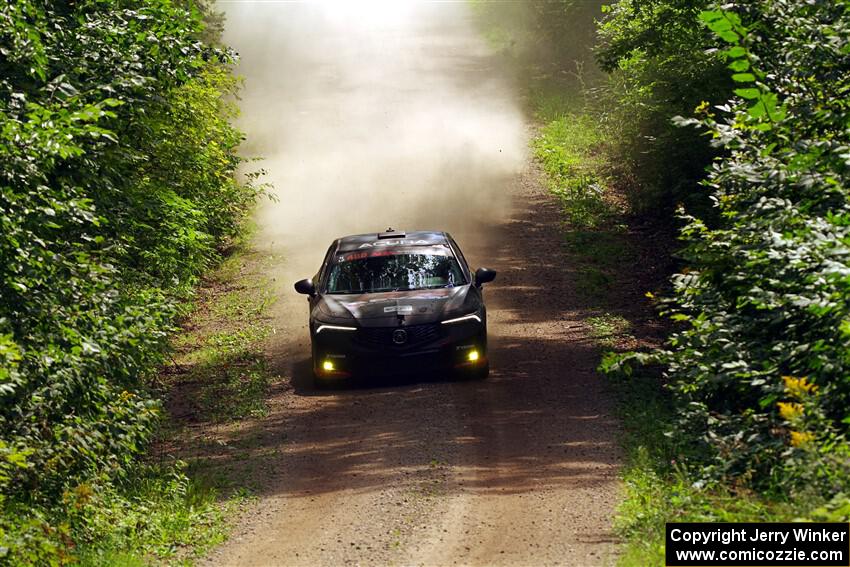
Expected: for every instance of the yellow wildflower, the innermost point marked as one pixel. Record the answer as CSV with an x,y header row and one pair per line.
x,y
799,438
799,387
790,410
650,295
79,496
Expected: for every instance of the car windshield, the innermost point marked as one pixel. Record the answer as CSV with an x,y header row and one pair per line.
x,y
395,269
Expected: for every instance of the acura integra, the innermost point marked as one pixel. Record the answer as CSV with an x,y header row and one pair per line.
x,y
389,303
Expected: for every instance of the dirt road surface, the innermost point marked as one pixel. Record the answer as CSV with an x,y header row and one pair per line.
x,y
400,115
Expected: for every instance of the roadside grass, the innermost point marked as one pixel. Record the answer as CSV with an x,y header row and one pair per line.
x,y
157,515
553,96
608,329
169,511
570,147
599,253
659,489
222,354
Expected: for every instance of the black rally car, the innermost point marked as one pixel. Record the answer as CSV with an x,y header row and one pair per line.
x,y
393,302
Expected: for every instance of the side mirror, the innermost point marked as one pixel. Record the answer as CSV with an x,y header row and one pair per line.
x,y
484,275
306,287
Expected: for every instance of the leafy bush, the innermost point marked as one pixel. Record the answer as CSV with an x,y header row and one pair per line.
x,y
760,365
151,512
116,188
662,62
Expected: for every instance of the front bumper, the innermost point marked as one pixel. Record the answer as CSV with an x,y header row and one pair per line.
x,y
372,351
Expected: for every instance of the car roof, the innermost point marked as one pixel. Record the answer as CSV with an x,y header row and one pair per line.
x,y
392,238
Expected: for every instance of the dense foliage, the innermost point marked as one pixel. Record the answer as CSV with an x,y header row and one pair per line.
x,y
661,64
760,363
116,190
763,362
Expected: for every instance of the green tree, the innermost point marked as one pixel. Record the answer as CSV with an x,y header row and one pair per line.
x,y
760,365
116,189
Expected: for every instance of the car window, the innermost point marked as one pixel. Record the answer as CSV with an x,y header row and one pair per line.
x,y
463,263
323,270
395,269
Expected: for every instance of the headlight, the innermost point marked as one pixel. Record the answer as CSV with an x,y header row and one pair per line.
x,y
323,327
470,317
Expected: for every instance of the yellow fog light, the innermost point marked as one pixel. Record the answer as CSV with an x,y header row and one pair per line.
x,y
328,366
472,356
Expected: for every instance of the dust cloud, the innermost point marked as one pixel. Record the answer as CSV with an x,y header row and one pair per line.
x,y
370,115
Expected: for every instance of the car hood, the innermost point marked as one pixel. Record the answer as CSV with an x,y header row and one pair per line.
x,y
384,309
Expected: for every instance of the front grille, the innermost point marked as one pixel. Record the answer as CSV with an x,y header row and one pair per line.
x,y
383,336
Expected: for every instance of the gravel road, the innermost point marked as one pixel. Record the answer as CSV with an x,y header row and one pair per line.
x,y
403,116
